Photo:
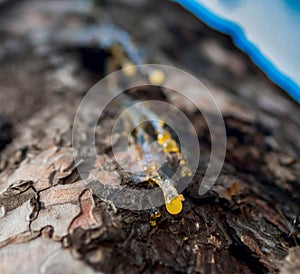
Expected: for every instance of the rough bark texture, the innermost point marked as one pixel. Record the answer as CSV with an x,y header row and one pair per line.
x,y
51,223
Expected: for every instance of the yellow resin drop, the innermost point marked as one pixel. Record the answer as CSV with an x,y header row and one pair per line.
x,y
186,172
156,77
175,206
165,139
162,138
154,216
129,69
161,123
171,146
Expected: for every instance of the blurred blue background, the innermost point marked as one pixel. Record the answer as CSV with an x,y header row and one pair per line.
x,y
268,31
